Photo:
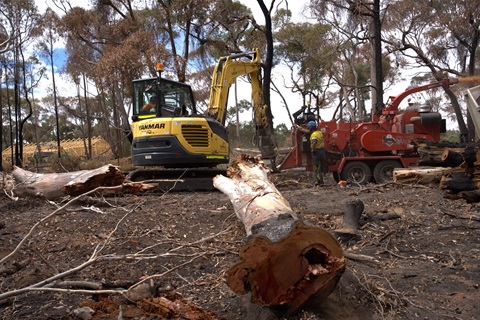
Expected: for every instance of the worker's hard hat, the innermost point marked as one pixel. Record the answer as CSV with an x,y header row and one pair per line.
x,y
311,125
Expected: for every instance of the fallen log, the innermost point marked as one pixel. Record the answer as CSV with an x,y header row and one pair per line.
x,y
472,196
432,153
286,265
419,175
452,158
56,185
456,182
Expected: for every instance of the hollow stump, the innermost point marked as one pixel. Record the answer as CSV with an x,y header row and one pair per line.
x,y
286,264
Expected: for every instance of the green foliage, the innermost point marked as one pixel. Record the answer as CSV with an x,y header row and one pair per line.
x,y
112,43
283,135
242,106
307,48
246,138
451,136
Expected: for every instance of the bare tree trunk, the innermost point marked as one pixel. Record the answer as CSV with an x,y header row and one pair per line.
x,y
55,102
377,57
122,113
1,120
89,120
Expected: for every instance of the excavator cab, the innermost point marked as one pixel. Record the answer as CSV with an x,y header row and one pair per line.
x,y
167,130
159,97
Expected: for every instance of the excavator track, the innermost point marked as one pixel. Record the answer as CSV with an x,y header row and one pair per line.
x,y
181,179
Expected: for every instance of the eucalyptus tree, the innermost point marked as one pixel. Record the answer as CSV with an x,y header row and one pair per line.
x,y
349,35
46,45
441,37
268,64
6,39
23,17
358,23
195,34
115,42
309,50
7,30
105,46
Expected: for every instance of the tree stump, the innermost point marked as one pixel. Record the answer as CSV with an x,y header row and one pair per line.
x,y
286,264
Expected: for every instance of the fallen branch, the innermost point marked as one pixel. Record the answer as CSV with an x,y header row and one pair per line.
x,y
462,216
52,284
359,257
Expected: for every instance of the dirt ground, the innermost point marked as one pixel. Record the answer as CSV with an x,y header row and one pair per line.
x,y
424,252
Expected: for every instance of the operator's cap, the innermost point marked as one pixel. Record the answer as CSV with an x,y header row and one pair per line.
x,y
311,125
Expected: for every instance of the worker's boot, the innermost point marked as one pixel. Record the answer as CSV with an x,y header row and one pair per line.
x,y
317,178
351,221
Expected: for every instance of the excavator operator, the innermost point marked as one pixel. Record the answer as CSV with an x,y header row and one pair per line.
x,y
151,105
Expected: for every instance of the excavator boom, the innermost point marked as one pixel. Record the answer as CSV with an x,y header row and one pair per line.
x,y
227,70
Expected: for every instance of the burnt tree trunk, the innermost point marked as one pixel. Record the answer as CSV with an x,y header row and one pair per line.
x,y
439,154
452,158
286,264
456,182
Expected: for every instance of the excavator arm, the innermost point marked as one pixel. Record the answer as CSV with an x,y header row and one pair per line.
x,y
226,71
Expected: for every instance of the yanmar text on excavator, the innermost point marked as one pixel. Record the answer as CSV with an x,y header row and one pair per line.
x,y
169,132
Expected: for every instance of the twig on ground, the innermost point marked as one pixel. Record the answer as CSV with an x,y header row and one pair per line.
x,y
359,257
462,216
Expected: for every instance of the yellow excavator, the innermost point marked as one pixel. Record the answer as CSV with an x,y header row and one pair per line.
x,y
168,131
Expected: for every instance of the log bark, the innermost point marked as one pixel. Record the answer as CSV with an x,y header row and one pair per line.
x,y
452,158
472,196
56,185
286,264
431,152
463,181
457,182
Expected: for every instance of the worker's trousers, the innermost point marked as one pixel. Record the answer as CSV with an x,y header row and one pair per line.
x,y
320,166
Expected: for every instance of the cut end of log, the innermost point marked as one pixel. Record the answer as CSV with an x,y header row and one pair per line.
x,y
239,164
289,274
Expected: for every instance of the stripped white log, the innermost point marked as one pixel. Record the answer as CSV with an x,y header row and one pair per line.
x,y
419,175
254,197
